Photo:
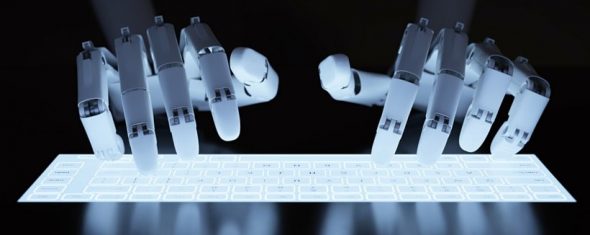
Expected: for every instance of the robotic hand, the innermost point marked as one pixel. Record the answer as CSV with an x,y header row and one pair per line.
x,y
449,80
202,80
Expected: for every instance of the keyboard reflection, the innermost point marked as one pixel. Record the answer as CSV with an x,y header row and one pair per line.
x,y
335,218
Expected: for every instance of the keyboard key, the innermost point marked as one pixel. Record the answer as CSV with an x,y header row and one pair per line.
x,y
312,173
346,189
149,189
328,180
266,165
448,158
449,197
510,189
374,173
246,197
378,189
119,165
391,165
348,197
474,158
405,173
477,189
137,180
488,180
279,197
63,172
187,173
467,173
233,180
120,173
414,196
543,189
550,197
327,165
145,197
482,197
175,165
361,180
181,189
381,197
519,180
343,173
248,189
212,196
280,189
411,189
218,173
280,173
313,197
105,180
66,165
168,180
517,173
222,158
43,196
504,165
264,180
425,180
357,165
516,197
313,189
200,180
214,189
297,180
296,165
179,197
436,173
448,165
444,189
76,197
393,180
50,189
415,165
250,173
236,165
53,180
456,180
206,165
111,197
108,189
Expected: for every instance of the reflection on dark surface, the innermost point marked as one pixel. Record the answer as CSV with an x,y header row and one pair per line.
x,y
181,218
337,219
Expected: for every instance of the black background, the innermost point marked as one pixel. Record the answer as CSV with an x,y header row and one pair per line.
x,y
39,86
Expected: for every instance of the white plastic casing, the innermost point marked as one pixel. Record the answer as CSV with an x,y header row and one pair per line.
x,y
93,72
449,49
137,106
490,91
402,91
524,114
215,73
255,72
174,86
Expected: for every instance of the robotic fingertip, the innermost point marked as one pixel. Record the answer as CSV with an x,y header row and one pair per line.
x,y
431,145
384,146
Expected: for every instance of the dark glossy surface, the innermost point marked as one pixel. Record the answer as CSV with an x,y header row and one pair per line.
x,y
295,36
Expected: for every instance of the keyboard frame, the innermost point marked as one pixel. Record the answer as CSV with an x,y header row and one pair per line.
x,y
91,165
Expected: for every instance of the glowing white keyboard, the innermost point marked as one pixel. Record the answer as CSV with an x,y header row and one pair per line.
x,y
298,178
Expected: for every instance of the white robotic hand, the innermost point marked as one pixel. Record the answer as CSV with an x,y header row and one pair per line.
x,y
203,81
455,81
